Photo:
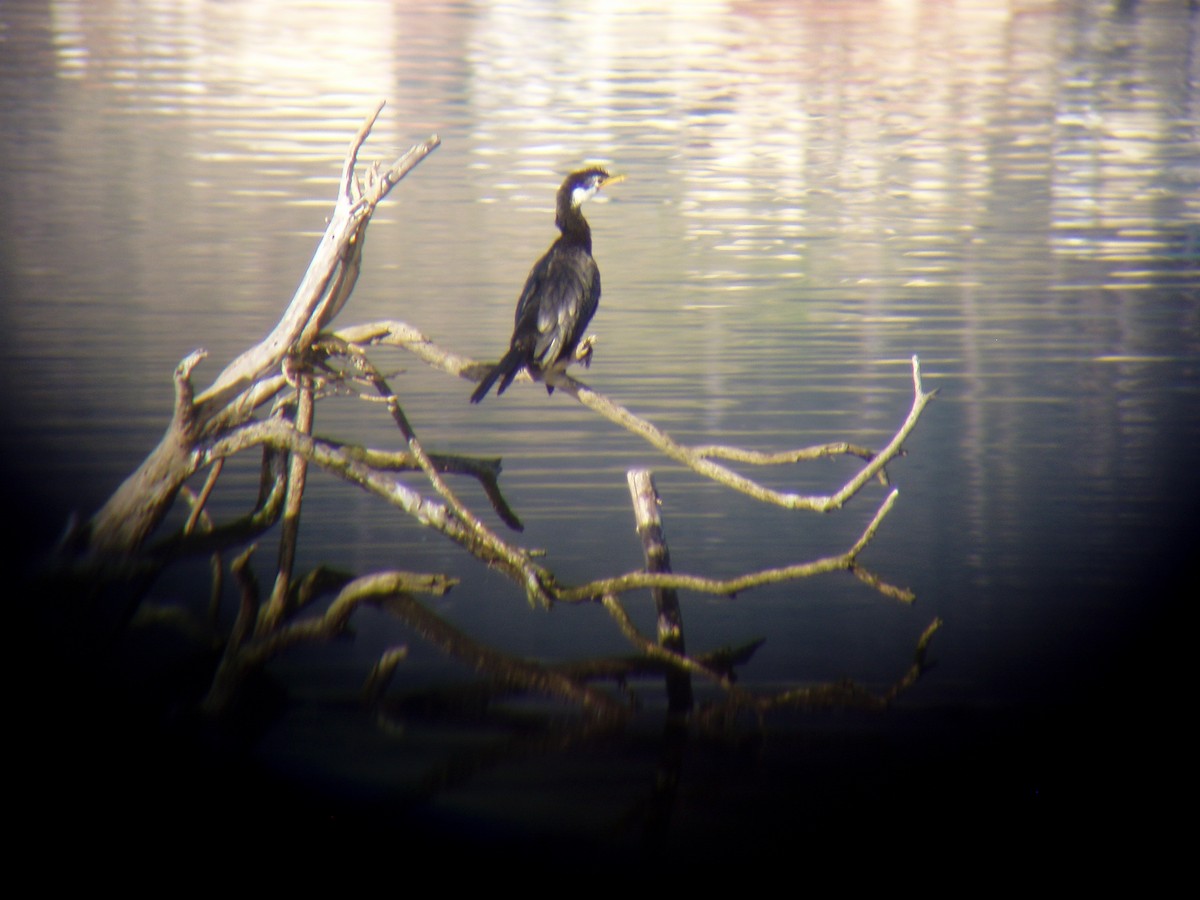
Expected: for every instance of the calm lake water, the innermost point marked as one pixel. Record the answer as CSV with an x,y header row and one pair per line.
x,y
815,193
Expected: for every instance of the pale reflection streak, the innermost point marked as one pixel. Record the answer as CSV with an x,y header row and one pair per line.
x,y
231,72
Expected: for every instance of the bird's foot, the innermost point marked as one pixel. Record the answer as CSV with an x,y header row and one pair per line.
x,y
583,353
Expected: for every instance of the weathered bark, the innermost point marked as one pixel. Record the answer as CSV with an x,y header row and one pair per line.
x,y
699,459
666,600
138,506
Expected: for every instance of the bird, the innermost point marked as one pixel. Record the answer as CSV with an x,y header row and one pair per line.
x,y
561,292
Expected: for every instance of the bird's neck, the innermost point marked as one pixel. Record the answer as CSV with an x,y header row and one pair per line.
x,y
574,226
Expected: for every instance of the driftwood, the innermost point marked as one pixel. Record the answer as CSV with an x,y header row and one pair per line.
x,y
138,506
266,401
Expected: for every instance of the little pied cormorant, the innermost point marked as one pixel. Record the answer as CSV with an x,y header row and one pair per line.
x,y
561,293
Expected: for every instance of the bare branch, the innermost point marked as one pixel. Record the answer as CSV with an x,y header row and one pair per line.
x,y
460,511
539,583
704,466
783,457
698,459
486,471
331,275
381,673
316,584
391,333
675,659
248,605
506,672
666,601
297,476
219,537
202,498
594,591
132,513
252,652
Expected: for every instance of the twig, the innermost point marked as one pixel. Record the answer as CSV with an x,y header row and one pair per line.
x,y
782,457
704,466
199,517
456,506
272,493
847,693
201,499
677,661
485,471
594,591
271,614
248,605
315,584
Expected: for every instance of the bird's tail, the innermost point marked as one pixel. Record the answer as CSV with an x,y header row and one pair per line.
x,y
507,367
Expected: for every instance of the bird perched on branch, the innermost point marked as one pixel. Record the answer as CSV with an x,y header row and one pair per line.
x,y
561,293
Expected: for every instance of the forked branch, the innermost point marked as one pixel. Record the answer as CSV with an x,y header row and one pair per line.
x,y
698,459
595,591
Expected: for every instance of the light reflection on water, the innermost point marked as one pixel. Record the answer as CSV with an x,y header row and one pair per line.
x,y
816,192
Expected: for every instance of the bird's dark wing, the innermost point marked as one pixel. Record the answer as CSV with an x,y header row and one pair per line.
x,y
568,299
525,320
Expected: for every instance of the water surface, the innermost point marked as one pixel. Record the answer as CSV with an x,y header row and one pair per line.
x,y
816,192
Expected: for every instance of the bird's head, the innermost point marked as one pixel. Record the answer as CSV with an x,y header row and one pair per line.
x,y
583,185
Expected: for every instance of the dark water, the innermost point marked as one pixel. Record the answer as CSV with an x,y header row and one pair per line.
x,y
816,192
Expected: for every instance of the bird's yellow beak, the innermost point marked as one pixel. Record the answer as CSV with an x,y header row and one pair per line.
x,y
612,179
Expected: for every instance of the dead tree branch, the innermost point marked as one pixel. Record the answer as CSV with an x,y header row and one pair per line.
x,y
698,459
122,525
666,600
250,652
331,275
701,462
297,476
538,582
594,591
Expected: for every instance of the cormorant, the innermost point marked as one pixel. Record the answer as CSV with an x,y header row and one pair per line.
x,y
561,293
